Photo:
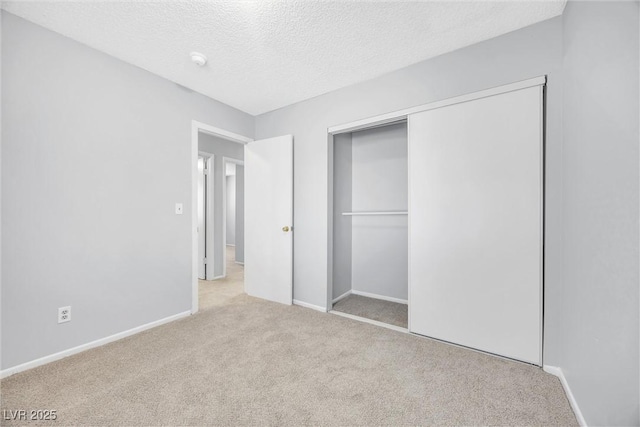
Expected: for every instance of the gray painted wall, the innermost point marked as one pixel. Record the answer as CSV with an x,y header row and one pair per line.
x,y
95,154
600,293
380,244
239,213
231,210
342,178
529,52
220,148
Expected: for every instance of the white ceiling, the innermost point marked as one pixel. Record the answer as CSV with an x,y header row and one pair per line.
x,y
264,55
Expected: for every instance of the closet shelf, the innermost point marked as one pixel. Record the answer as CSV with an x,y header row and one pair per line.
x,y
375,213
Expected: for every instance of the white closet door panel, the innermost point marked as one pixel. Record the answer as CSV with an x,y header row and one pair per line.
x,y
476,224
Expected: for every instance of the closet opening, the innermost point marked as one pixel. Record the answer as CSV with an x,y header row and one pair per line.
x,y
369,279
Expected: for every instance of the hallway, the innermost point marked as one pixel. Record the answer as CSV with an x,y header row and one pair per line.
x,y
216,293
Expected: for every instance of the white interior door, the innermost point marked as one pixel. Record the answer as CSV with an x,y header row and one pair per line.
x,y
476,224
201,220
268,219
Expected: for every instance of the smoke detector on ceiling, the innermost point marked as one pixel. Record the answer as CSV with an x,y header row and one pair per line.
x,y
198,58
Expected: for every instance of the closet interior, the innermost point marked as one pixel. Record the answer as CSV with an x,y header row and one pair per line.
x,y
370,226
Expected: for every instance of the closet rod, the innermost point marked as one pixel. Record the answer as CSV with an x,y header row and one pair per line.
x,y
375,213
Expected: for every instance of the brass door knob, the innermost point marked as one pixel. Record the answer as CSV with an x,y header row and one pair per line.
x,y
285,228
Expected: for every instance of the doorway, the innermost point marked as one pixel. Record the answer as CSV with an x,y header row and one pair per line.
x,y
220,188
268,217
233,212
216,275
204,214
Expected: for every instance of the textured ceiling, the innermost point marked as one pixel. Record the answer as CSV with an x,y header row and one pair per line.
x,y
264,55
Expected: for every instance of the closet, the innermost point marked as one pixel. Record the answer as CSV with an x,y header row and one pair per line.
x,y
370,274
472,217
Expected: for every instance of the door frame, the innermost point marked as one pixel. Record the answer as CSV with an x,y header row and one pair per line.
x,y
237,162
209,159
196,128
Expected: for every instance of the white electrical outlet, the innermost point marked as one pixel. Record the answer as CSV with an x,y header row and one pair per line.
x,y
64,314
178,208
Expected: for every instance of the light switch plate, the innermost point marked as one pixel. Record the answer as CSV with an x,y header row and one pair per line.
x,y
178,208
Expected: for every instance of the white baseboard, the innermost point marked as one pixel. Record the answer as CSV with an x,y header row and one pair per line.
x,y
370,321
554,370
382,297
311,306
341,297
97,343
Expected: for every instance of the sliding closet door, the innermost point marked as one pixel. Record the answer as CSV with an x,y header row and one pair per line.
x,y
476,224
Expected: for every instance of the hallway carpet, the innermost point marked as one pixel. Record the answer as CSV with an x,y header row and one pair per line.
x,y
253,362
216,293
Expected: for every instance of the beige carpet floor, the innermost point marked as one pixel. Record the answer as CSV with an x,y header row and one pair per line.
x,y
388,312
216,293
251,362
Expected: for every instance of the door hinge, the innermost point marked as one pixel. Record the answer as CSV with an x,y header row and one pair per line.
x,y
205,171
204,260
